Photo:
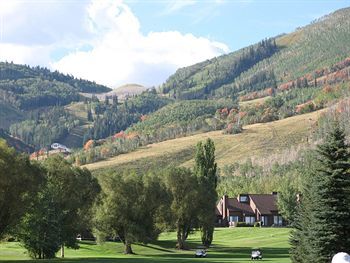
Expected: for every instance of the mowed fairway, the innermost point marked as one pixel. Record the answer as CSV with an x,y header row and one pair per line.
x,y
230,245
262,139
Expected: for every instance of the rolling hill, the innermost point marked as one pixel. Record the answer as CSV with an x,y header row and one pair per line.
x,y
257,140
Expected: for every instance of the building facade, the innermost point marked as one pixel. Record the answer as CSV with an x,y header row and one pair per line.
x,y
249,208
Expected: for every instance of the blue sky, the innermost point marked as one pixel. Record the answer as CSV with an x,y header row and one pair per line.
x,y
131,41
235,23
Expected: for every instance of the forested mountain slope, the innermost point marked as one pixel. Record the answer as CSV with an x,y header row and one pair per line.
x,y
32,101
321,44
29,88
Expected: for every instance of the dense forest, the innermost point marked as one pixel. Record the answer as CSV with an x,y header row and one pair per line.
x,y
188,83
111,118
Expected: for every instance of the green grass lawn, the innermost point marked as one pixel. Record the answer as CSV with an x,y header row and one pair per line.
x,y
230,245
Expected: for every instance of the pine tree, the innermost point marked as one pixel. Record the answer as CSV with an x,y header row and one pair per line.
x,y
332,209
323,227
205,169
301,246
89,114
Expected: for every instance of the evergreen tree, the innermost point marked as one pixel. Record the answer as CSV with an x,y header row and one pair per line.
x,y
323,227
89,114
106,100
301,246
115,102
205,169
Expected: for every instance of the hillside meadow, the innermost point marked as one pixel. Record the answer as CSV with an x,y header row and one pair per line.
x,y
230,245
257,140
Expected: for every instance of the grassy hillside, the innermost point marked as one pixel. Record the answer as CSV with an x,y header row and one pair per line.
x,y
230,245
127,90
321,44
260,139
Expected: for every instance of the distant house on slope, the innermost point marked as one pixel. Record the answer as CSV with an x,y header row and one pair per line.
x,y
249,208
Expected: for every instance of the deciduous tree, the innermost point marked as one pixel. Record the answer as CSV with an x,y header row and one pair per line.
x,y
128,208
205,170
60,209
19,181
182,186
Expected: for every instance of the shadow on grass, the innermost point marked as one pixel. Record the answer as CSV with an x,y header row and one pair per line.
x,y
156,248
215,255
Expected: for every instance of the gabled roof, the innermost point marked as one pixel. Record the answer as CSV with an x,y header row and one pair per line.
x,y
235,206
265,203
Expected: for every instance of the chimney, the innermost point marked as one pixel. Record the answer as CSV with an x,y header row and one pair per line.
x,y
224,207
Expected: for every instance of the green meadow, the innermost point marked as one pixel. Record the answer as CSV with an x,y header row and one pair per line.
x,y
230,245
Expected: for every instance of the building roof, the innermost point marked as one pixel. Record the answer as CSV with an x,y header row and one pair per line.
x,y
265,203
235,206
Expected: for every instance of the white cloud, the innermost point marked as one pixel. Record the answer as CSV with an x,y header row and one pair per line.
x,y
22,54
118,52
176,5
7,7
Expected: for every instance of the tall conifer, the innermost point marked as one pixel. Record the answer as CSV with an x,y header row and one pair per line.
x,y
323,228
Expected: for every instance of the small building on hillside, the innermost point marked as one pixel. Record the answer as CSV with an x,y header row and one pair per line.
x,y
249,208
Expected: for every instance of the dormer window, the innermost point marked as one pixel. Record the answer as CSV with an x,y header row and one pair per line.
x,y
243,198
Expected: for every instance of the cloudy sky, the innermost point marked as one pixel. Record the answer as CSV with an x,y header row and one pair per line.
x,y
115,42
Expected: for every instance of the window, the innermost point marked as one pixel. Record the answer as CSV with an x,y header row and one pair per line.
x,y
243,198
277,220
234,219
250,220
264,220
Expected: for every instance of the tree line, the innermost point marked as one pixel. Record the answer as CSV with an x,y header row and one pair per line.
x,y
111,118
46,205
201,80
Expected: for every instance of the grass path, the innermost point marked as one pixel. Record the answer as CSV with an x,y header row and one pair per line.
x,y
260,139
230,245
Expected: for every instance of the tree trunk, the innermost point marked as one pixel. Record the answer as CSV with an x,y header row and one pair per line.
x,y
127,248
181,237
62,251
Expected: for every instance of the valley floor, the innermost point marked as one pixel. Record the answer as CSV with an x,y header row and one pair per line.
x,y
230,245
